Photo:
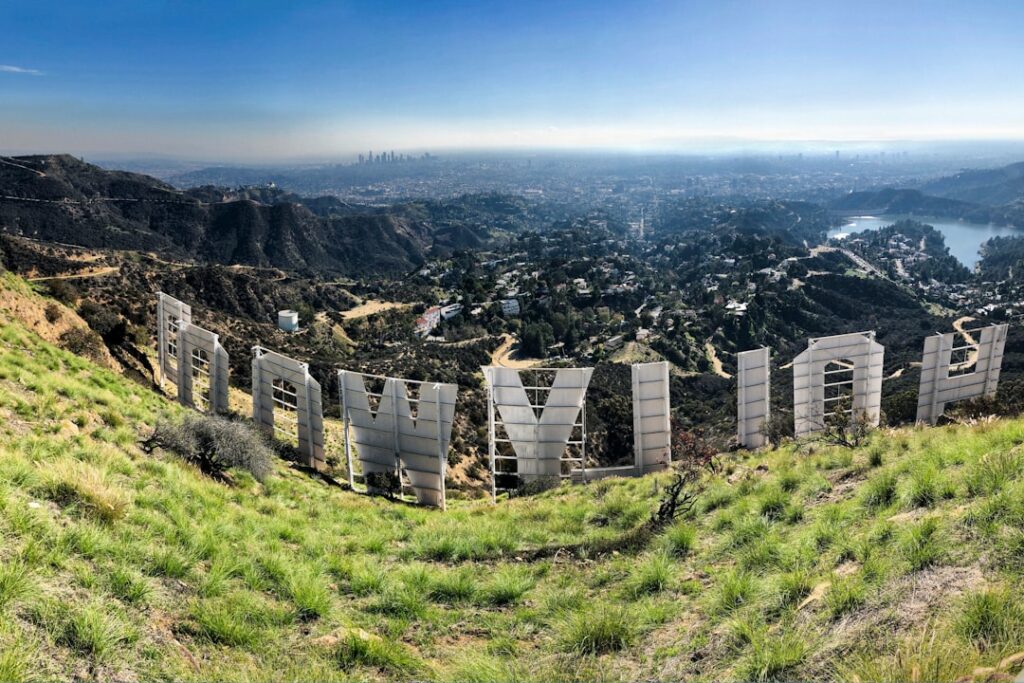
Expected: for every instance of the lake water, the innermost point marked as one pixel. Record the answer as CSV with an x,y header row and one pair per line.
x,y
963,239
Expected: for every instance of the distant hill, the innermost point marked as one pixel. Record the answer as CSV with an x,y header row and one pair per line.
x,y
62,199
987,186
793,221
901,201
905,202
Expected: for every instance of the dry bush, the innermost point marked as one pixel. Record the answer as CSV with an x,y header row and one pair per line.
x,y
83,342
52,312
214,444
694,458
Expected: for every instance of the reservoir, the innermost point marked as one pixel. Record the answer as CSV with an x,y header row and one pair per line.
x,y
963,239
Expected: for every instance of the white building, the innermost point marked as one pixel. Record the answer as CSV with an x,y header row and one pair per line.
x,y
510,307
450,311
288,320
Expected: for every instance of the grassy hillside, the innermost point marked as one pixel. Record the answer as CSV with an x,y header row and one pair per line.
x,y
899,560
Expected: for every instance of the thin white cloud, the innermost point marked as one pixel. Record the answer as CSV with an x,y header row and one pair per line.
x,y
8,69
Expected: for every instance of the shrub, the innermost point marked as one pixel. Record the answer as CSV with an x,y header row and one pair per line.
x,y
82,342
385,484
109,325
52,312
693,459
213,444
597,630
64,292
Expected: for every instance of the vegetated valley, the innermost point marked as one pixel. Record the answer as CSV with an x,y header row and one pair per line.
x,y
899,559
130,553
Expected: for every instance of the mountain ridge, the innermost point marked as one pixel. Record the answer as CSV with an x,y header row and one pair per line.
x,y
62,199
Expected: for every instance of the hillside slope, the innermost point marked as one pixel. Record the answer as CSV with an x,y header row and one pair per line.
x,y
899,560
62,199
983,186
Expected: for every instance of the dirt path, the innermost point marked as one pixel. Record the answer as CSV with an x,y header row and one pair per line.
x,y
8,162
98,272
897,374
716,363
371,307
958,325
504,355
972,356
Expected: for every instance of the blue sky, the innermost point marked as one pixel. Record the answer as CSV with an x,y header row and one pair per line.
x,y
254,80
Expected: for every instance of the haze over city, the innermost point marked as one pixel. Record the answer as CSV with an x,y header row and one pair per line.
x,y
270,81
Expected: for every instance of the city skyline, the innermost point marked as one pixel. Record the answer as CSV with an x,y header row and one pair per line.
x,y
254,81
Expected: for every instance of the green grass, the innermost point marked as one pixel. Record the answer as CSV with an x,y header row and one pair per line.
x,y
15,583
138,567
454,586
129,586
358,651
651,575
880,490
735,589
681,539
596,630
773,658
506,587
845,595
922,545
993,617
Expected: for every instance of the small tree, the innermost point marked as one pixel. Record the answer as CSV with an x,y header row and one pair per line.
x,y
385,484
778,427
846,426
694,459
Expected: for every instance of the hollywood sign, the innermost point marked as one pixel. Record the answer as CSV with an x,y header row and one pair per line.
x,y
844,373
401,429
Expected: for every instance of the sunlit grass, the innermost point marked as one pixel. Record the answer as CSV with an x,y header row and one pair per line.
x,y
140,565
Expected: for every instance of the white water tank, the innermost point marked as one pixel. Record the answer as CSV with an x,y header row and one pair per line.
x,y
288,320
